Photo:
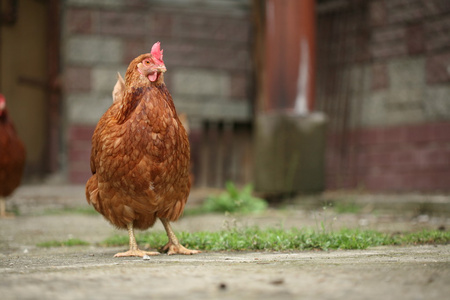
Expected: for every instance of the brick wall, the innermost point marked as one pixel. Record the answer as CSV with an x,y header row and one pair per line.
x,y
79,152
206,51
405,158
397,133
398,158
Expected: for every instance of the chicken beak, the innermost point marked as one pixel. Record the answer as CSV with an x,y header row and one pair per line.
x,y
161,69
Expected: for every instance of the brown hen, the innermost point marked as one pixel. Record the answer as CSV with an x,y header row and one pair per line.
x,y
140,156
12,157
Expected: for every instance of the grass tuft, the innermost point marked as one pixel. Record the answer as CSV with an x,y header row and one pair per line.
x,y
275,239
84,210
67,243
346,207
422,238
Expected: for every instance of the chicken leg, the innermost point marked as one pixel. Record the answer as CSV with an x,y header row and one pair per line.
x,y
174,246
134,250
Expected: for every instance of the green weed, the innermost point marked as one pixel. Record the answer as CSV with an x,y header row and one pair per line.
x,y
235,201
67,243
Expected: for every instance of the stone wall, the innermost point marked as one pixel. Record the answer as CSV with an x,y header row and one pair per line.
x,y
206,51
397,137
410,47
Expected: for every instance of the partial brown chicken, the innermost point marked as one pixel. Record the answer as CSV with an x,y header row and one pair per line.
x,y
12,157
140,156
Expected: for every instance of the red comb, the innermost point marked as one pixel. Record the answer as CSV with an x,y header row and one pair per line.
x,y
157,52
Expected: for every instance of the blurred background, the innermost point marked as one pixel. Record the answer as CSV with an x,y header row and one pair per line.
x,y
290,95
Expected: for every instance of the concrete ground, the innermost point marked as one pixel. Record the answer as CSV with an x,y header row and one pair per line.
x,y
91,272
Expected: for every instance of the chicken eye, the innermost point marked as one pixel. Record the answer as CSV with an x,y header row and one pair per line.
x,y
147,62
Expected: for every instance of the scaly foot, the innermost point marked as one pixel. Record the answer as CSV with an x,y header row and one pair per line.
x,y
171,249
136,252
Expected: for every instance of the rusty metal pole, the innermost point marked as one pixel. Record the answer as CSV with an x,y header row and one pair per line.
x,y
308,34
289,135
290,56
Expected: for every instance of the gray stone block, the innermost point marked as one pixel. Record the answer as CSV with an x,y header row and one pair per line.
x,y
289,153
210,108
105,77
93,50
87,108
200,82
437,103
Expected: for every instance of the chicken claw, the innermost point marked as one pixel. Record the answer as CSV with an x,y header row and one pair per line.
x,y
171,249
136,252
174,246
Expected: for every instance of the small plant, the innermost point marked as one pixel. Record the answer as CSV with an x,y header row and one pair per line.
x,y
234,200
326,224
